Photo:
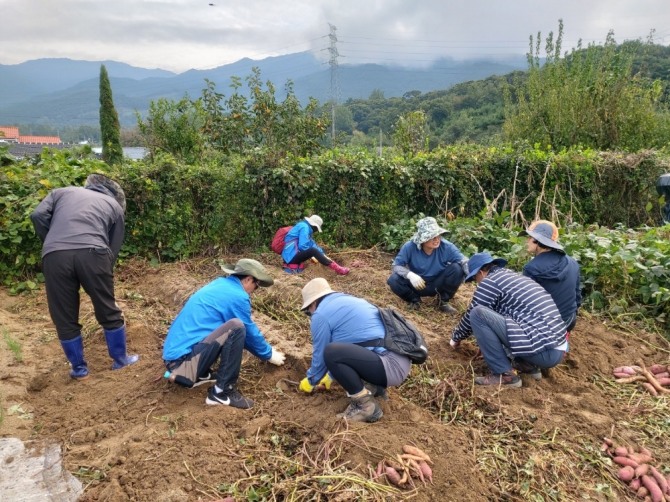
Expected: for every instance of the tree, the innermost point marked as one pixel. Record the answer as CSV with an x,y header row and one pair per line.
x,y
589,98
110,130
411,132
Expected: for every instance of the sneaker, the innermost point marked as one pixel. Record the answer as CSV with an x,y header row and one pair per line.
x,y
509,379
527,369
228,397
414,305
377,391
208,378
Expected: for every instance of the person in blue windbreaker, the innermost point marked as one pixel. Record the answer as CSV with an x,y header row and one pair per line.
x,y
299,246
215,323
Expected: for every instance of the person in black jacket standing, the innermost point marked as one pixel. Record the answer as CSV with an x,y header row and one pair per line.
x,y
82,229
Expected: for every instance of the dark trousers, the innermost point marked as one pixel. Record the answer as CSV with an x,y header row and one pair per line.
x,y
349,364
225,343
445,284
64,273
307,254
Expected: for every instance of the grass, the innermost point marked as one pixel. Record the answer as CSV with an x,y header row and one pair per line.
x,y
14,346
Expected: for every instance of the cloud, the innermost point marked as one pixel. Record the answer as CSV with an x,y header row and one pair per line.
x,y
183,34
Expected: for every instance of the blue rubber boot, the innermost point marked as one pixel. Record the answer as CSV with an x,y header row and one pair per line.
x,y
116,345
74,351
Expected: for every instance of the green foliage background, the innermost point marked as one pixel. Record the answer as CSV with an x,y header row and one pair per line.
x,y
484,194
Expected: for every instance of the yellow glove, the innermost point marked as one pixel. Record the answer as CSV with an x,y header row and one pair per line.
x,y
325,382
305,386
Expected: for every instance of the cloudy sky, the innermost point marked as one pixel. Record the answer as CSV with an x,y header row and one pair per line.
x,y
178,35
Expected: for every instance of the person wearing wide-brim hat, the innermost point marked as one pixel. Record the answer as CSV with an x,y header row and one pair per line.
x,y
428,265
513,319
82,230
300,246
215,323
338,323
553,269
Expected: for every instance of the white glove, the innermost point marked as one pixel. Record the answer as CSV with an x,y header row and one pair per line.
x,y
454,344
277,358
417,282
464,266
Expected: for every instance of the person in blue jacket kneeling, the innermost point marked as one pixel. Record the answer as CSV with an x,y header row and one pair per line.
x,y
216,324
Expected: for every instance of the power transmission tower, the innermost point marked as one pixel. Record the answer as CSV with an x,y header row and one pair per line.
x,y
333,75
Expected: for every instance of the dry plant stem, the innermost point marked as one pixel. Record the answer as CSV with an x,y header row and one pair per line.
x,y
636,378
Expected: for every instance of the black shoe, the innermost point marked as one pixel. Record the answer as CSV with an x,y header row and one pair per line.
x,y
446,308
228,397
208,378
414,305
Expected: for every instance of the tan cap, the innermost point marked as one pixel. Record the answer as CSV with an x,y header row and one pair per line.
x,y
247,266
313,290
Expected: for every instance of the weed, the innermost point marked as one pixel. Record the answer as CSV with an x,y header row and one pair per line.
x,y
14,346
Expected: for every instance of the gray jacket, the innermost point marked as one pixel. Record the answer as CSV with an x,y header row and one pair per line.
x,y
79,218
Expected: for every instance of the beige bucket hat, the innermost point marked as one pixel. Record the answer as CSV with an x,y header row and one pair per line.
x,y
247,266
315,220
313,290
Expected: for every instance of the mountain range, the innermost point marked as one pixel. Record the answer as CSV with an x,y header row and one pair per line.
x,y
66,92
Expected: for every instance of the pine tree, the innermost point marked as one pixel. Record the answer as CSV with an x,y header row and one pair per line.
x,y
110,130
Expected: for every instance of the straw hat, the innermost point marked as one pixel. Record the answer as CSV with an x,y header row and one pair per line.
x,y
313,290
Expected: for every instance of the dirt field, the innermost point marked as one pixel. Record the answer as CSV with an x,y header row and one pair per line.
x,y
130,435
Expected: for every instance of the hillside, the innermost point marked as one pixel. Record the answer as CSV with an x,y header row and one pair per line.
x,y
129,435
65,92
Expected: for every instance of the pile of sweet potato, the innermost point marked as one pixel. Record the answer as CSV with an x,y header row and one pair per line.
x,y
637,470
404,468
655,379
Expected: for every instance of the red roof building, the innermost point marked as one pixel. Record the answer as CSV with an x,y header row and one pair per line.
x,y
39,140
9,134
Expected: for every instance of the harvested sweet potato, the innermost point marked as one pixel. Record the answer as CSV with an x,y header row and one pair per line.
x,y
649,482
426,470
626,474
642,492
660,479
665,381
650,388
608,441
413,450
635,484
657,368
620,451
628,370
641,470
624,461
392,475
665,374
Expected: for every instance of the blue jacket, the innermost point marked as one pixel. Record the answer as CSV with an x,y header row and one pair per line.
x,y
533,322
208,308
342,318
558,273
428,266
299,238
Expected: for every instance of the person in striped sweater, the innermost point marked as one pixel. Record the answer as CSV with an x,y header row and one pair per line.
x,y
513,319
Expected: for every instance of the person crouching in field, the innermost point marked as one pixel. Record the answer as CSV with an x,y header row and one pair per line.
x,y
428,265
299,246
82,230
215,323
338,323
514,320
553,269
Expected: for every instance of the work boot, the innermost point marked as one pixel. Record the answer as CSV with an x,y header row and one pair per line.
x,y
363,409
116,346
377,391
339,270
74,351
507,379
414,305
